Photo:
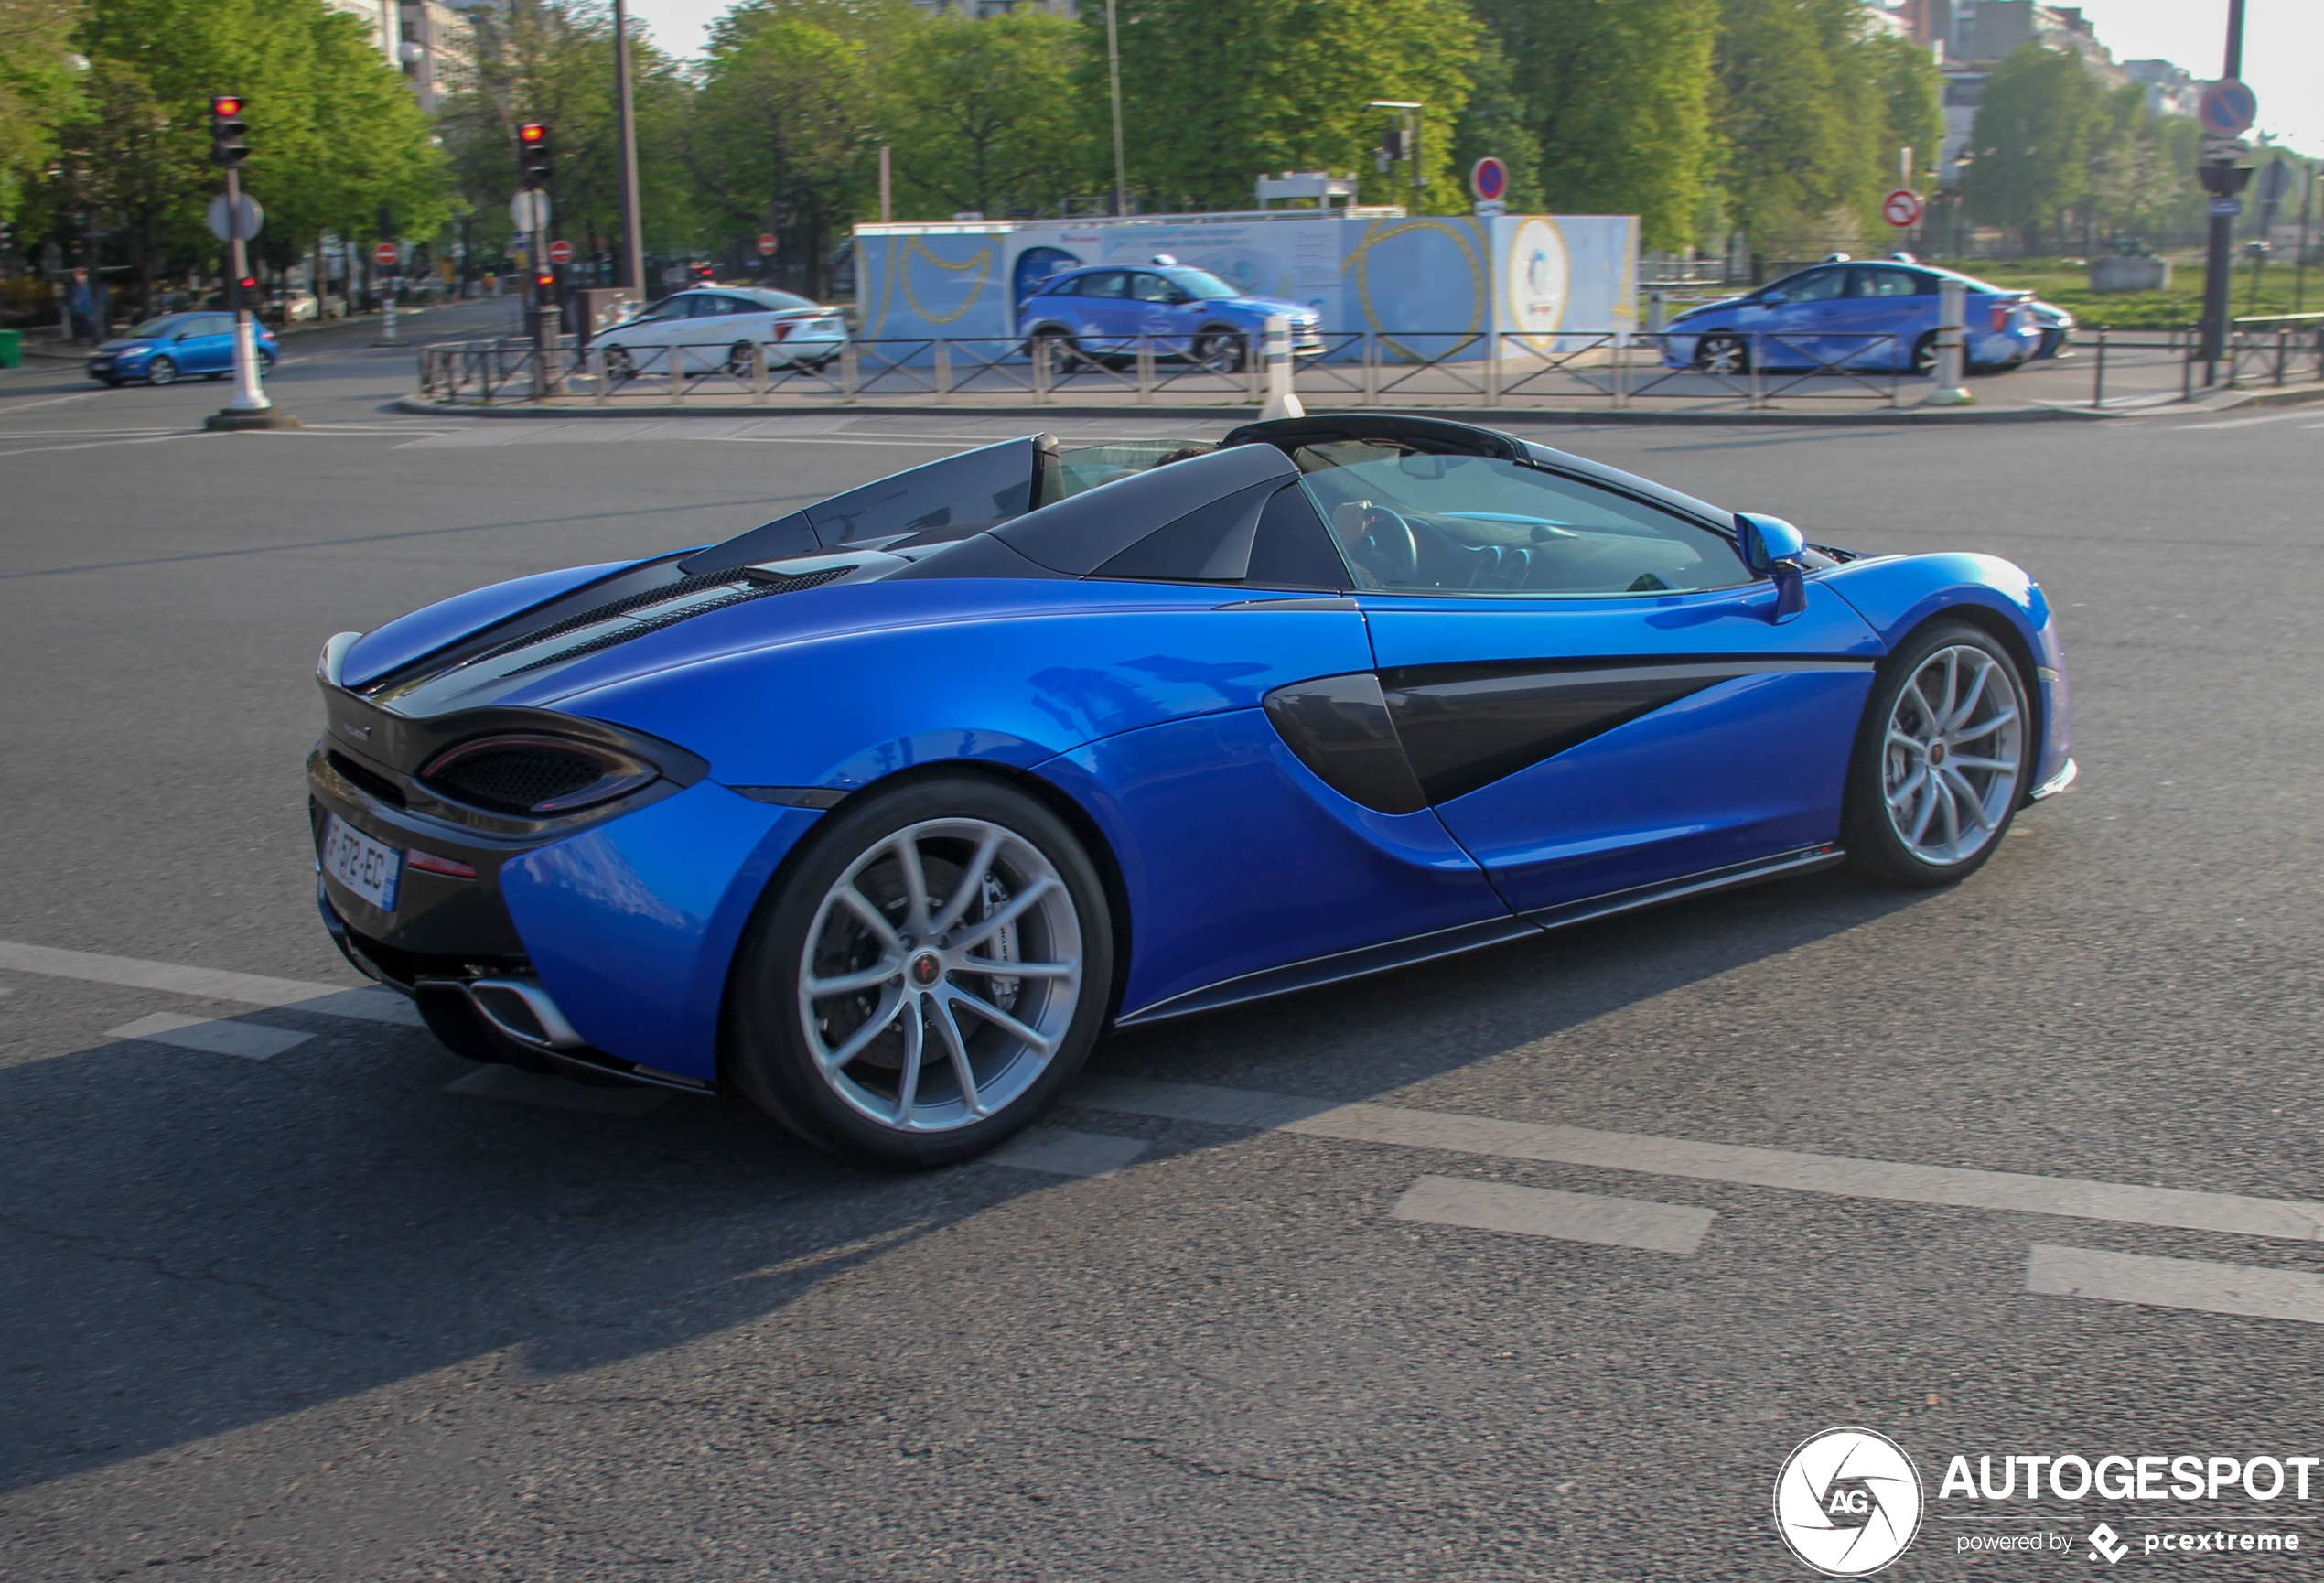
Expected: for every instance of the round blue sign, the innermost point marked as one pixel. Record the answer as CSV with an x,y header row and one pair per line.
x,y
1488,179
2228,109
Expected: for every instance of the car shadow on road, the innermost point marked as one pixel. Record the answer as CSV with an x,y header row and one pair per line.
x,y
196,1244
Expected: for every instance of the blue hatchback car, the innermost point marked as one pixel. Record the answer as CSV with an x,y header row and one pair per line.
x,y
1852,314
1188,313
165,350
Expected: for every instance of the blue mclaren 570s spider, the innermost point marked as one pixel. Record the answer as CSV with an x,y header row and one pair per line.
x,y
880,813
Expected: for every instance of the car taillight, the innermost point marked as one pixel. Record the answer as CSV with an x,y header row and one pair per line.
x,y
535,777
2001,313
783,329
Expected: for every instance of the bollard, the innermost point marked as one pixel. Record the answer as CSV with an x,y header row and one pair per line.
x,y
1952,303
1658,302
2098,375
1281,403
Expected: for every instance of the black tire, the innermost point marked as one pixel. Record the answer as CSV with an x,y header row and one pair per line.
x,y
162,371
768,1054
1061,349
619,367
1222,349
1723,354
739,360
220,374
110,383
1876,848
1924,355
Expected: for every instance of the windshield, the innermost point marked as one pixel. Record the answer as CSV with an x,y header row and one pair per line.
x,y
1199,283
151,326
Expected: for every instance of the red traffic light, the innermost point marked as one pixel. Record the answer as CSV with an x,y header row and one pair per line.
x,y
531,132
547,279
225,106
247,283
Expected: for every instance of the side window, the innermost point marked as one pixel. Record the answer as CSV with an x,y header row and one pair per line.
x,y
1817,286
713,307
212,324
1882,282
1108,285
1410,521
1147,288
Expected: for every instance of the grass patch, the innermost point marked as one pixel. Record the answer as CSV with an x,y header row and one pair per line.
x,y
2067,285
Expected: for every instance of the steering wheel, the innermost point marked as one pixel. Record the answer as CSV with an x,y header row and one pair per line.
x,y
1380,540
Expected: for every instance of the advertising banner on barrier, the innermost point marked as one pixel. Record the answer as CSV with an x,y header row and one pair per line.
x,y
1547,277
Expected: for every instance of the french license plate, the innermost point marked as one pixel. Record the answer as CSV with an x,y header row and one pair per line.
x,y
361,864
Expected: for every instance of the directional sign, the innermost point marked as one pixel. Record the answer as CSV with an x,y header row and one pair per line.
x,y
560,253
529,209
1901,209
767,244
252,217
2228,108
387,255
1488,179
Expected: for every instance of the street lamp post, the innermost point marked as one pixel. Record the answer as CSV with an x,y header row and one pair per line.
x,y
1114,84
633,247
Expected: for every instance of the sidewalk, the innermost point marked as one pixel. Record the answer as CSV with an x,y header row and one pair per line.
x,y
412,325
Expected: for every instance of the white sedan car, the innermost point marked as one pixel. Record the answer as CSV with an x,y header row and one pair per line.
x,y
716,327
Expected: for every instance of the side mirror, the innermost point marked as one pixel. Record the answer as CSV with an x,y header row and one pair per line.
x,y
1772,299
1771,547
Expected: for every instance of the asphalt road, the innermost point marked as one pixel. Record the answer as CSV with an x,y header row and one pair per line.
x,y
337,1314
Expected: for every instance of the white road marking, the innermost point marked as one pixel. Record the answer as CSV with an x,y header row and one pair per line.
x,y
1492,1206
512,1086
329,1000
2061,1272
1058,1152
52,400
1837,1175
2248,423
23,450
213,1036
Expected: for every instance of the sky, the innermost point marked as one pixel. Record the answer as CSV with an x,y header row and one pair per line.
x,y
2283,47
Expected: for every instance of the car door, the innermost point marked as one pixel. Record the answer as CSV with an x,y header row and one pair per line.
x,y
1799,326
648,336
706,334
1595,692
1887,311
1161,309
1104,320
209,344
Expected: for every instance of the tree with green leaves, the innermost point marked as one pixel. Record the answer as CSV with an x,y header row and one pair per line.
x,y
1617,96
2040,121
38,87
551,62
782,136
982,113
1213,95
1497,121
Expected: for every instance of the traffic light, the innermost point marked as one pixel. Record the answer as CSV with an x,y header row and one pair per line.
x,y
229,134
1395,143
533,155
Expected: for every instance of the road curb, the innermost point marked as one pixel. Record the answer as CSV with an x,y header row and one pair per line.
x,y
1883,416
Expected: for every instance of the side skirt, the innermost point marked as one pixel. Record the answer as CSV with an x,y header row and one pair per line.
x,y
1317,972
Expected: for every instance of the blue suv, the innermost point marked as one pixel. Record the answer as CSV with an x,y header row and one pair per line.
x,y
1855,314
162,350
1188,313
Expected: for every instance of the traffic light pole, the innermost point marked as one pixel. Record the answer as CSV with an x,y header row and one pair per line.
x,y
633,246
2219,180
250,409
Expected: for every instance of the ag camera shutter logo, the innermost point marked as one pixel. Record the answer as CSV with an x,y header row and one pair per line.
x,y
1847,1501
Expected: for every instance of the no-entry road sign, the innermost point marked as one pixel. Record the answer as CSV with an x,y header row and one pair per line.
x,y
1901,209
766,243
560,252
387,255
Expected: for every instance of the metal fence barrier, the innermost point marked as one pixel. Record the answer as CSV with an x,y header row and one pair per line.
x,y
1714,369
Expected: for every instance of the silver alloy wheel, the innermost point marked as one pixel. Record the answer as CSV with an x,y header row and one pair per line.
x,y
1949,765
161,370
941,975
1723,355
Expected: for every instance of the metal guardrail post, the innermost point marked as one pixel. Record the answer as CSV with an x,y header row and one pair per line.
x,y
597,372
2098,375
2186,369
1145,361
2282,350
1488,387
759,372
1758,369
1371,368
1255,363
1621,380
1039,348
851,371
944,370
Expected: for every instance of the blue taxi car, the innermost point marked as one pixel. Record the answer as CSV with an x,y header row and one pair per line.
x,y
1190,314
175,345
1853,314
